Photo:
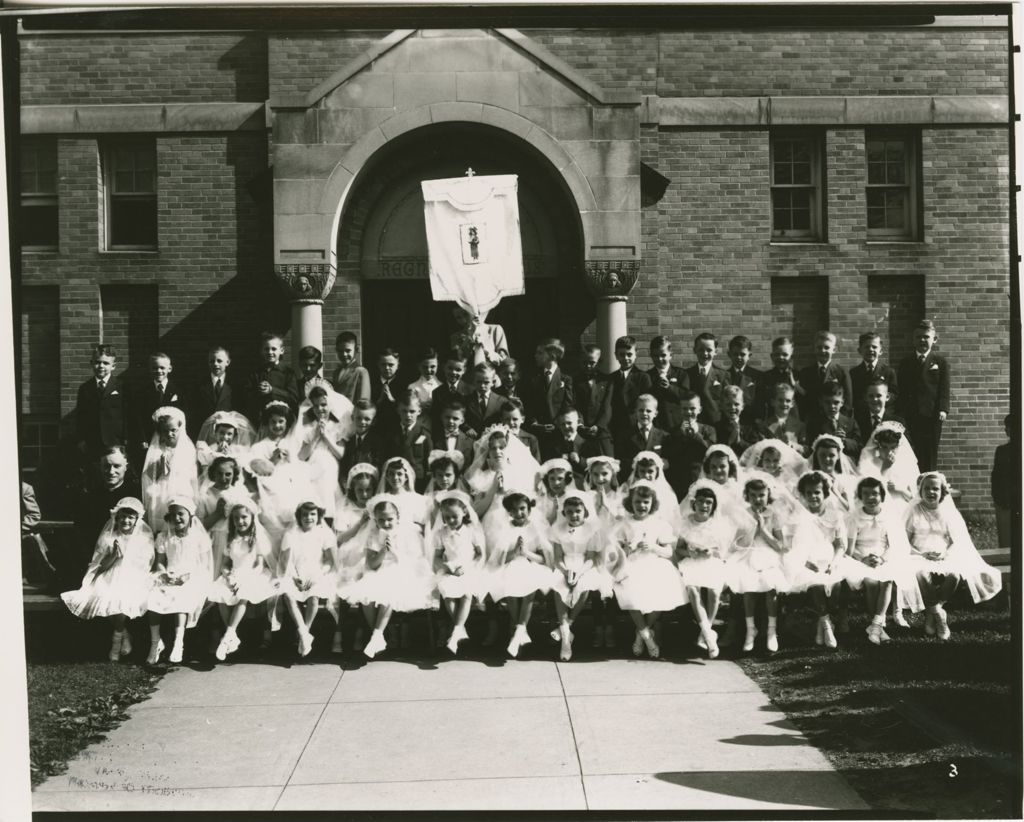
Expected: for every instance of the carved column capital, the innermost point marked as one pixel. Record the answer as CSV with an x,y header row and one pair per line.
x,y
611,279
306,282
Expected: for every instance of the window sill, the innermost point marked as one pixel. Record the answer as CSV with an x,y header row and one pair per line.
x,y
149,251
40,249
798,243
894,242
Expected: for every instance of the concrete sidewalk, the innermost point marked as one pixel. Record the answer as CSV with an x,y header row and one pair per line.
x,y
464,734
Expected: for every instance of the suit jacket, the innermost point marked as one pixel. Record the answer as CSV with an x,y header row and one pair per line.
x,y
747,380
686,455
441,397
463,444
145,399
477,418
811,381
846,429
763,393
669,416
387,407
415,446
738,437
924,388
859,379
373,449
630,443
100,419
863,419
624,394
594,400
709,390
577,451
794,432
202,403
542,401
284,386
515,392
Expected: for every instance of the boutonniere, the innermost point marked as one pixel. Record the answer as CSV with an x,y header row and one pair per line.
x,y
174,398
672,380
657,447
420,439
716,383
114,393
933,367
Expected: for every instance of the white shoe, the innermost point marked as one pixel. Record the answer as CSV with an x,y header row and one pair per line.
x,y
566,653
899,620
710,641
882,635
771,642
929,622
115,646
650,643
376,644
458,635
228,643
336,647
556,634
874,632
177,652
126,644
942,629
748,640
155,649
516,642
702,643
819,637
638,644
828,635
305,642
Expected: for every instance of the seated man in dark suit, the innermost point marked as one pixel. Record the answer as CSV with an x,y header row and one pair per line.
x,y
687,446
366,444
640,436
214,392
100,407
547,393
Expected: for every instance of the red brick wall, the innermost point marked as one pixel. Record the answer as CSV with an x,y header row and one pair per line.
x,y
58,69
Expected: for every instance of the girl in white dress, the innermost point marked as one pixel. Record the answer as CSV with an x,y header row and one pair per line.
x,y
223,434
579,547
943,554
877,555
397,576
554,478
182,575
246,575
445,469
170,465
756,564
396,479
705,537
117,581
722,467
308,551
222,475
777,459
648,583
819,543
324,422
457,545
648,465
519,562
350,559
501,463
827,456
600,478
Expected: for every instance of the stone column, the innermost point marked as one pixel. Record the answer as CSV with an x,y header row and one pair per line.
x,y
610,282
308,285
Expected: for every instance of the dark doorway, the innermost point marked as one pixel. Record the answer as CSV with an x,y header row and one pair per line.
x,y
382,236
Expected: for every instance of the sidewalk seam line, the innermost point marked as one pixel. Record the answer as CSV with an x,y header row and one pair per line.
x,y
316,724
575,742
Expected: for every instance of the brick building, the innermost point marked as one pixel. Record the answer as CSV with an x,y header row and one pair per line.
x,y
764,176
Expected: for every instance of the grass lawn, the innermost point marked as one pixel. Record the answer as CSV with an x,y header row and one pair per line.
x,y
916,726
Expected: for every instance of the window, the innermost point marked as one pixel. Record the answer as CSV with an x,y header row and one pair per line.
x,y
892,193
130,182
39,219
39,351
798,181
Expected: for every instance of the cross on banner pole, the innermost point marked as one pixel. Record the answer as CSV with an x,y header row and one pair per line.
x,y
470,172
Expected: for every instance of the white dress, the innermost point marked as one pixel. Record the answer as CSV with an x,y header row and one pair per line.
x,y
167,472
579,545
881,534
754,567
456,551
706,568
310,570
279,493
321,463
350,555
814,542
206,454
648,582
190,561
509,572
249,578
404,580
123,588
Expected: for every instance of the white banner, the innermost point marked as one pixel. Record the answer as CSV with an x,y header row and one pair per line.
x,y
476,255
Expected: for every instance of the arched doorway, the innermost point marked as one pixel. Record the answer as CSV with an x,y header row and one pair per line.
x,y
382,241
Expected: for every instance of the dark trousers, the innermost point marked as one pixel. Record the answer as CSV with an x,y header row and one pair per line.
x,y
924,434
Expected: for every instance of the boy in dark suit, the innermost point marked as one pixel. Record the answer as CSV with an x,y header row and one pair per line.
x,y
743,376
385,388
780,372
273,380
412,439
831,420
870,369
449,436
452,387
825,370
483,406
311,360
512,415
668,382
366,444
924,395
730,429
548,393
160,390
687,446
100,407
874,409
593,394
566,442
705,379
508,373
642,435
782,422
628,383
212,393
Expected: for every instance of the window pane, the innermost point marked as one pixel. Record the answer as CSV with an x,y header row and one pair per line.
x,y
783,173
39,224
895,173
876,218
802,173
133,221
144,181
123,181
895,209
876,173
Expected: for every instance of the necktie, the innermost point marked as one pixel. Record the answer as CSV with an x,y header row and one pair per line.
x,y
100,385
217,384
875,419
359,441
737,377
821,373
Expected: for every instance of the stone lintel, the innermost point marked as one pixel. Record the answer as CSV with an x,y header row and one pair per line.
x,y
142,117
